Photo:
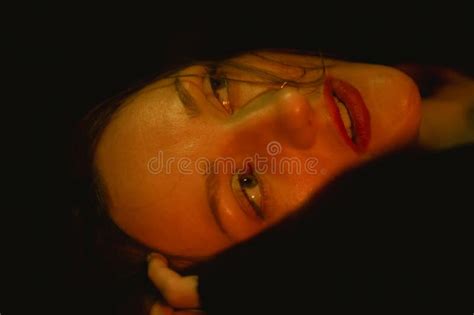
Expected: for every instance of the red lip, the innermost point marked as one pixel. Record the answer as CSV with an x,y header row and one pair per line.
x,y
357,109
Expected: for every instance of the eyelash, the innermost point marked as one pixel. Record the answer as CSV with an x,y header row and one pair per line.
x,y
226,104
214,76
261,212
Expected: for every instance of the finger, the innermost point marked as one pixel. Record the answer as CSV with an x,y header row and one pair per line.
x,y
179,292
158,309
190,312
161,260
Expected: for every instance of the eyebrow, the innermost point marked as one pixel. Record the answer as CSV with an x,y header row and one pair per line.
x,y
213,198
187,100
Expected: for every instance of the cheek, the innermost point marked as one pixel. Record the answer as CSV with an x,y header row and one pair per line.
x,y
175,232
395,115
177,222
308,174
393,101
240,226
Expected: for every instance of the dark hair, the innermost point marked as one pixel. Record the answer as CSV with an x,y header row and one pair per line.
x,y
111,264
107,259
112,261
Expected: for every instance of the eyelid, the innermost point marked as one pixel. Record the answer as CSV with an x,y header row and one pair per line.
x,y
226,104
258,83
194,80
211,97
229,215
204,73
258,214
239,96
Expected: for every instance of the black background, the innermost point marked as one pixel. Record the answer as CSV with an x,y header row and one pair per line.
x,y
60,61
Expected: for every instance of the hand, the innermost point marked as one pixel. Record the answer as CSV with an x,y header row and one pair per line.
x,y
179,292
447,104
160,309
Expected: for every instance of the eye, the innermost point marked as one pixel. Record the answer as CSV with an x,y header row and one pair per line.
x,y
220,89
248,190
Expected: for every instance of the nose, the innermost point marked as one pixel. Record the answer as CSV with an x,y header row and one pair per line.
x,y
286,116
295,119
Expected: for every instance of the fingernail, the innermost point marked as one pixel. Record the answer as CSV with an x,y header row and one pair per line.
x,y
156,256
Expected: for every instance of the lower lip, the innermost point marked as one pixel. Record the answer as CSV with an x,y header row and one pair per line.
x,y
357,109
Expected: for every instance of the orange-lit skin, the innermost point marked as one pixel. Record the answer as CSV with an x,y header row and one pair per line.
x,y
448,112
170,213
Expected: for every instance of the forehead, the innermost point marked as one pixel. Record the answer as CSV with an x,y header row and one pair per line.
x,y
159,98
258,66
273,57
282,63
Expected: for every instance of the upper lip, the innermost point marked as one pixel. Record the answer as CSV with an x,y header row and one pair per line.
x,y
358,112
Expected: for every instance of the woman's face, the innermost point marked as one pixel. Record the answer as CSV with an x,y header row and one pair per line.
x,y
200,160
